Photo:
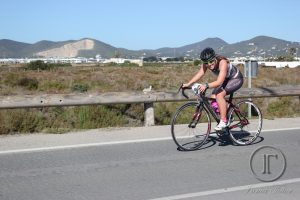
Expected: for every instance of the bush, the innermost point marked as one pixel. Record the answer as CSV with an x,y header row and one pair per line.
x,y
40,65
11,79
80,87
59,120
20,121
52,85
29,83
196,62
128,64
283,107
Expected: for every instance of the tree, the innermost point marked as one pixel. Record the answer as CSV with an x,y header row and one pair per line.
x,y
197,62
292,51
151,59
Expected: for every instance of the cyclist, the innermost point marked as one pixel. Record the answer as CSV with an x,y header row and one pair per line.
x,y
229,80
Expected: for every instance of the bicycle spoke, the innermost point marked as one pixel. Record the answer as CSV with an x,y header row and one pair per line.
x,y
244,131
190,128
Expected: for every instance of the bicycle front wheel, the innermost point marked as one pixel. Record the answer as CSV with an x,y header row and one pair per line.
x,y
245,122
190,126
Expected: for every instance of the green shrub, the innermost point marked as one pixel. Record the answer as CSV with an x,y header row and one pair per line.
x,y
283,107
38,65
20,121
52,85
88,117
164,112
128,64
41,65
78,87
29,83
11,79
61,119
197,62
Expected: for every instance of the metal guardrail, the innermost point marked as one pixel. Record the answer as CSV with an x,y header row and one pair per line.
x,y
54,100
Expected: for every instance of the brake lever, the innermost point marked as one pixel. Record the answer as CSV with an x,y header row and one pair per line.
x,y
182,91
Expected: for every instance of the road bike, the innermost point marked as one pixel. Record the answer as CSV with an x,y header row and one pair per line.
x,y
191,122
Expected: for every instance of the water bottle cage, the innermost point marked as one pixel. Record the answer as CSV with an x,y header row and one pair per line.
x,y
215,107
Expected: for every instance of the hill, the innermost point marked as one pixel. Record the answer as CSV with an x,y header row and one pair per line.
x,y
191,50
10,48
88,47
259,46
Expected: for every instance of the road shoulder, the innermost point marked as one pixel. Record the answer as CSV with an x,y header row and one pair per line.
x,y
114,135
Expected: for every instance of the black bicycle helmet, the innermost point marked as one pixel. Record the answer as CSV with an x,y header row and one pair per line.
x,y
207,55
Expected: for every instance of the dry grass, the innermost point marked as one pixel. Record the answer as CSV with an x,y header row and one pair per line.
x,y
113,79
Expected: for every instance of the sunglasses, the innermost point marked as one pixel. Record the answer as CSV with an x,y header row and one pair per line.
x,y
209,62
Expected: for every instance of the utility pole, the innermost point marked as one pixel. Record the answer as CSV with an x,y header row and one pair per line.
x,y
249,86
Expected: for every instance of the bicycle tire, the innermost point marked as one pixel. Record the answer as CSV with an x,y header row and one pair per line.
x,y
242,129
185,136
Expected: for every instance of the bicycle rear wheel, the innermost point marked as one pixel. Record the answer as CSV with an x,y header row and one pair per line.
x,y
190,126
246,122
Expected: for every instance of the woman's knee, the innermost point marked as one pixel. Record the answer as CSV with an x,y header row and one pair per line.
x,y
221,95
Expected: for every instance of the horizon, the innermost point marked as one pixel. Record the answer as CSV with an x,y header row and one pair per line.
x,y
149,25
157,48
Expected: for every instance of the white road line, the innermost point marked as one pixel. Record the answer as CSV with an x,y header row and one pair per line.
x,y
280,129
106,143
82,145
226,190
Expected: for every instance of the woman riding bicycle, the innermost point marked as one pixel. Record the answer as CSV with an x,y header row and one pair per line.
x,y
229,80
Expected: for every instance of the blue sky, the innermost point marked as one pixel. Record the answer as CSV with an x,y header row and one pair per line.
x,y
148,24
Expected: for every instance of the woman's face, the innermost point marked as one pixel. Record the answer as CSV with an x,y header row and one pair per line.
x,y
211,65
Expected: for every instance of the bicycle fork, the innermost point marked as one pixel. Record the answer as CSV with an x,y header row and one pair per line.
x,y
243,121
196,117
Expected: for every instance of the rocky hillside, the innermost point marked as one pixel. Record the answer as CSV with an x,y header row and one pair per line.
x,y
68,50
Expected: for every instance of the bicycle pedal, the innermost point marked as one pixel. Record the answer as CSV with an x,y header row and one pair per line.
x,y
219,133
222,132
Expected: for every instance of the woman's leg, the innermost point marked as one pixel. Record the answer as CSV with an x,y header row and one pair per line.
x,y
222,105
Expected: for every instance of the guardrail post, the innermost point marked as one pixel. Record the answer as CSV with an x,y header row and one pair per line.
x,y
149,114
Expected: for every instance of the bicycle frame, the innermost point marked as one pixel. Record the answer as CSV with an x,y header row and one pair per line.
x,y
203,100
242,119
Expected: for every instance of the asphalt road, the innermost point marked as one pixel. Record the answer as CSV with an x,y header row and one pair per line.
x,y
148,170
